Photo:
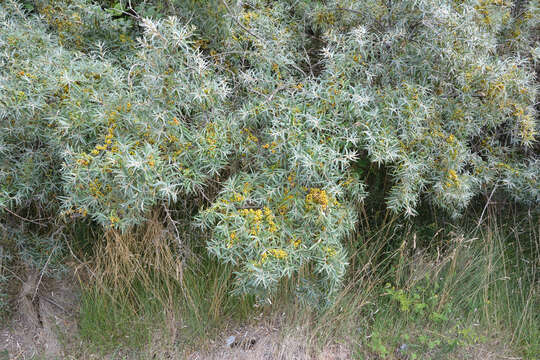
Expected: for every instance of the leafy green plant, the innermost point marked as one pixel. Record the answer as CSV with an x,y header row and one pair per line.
x,y
377,345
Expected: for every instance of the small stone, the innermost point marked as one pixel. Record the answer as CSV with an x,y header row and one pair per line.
x,y
231,341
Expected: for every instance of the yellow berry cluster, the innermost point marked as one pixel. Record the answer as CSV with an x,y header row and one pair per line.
x,y
295,242
250,136
271,146
330,251
284,206
277,253
84,160
112,119
25,74
452,179
211,136
95,187
317,196
257,218
63,23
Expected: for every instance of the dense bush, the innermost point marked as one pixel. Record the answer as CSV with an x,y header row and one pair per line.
x,y
279,105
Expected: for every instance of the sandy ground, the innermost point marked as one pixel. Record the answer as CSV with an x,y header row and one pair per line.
x,y
34,329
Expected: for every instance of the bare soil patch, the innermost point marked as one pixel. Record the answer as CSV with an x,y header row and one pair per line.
x,y
46,311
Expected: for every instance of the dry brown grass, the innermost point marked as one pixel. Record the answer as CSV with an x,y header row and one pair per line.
x,y
139,257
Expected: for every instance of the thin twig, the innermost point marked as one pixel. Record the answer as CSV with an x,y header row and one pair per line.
x,y
173,223
46,263
359,13
80,261
14,274
43,272
25,219
278,89
349,10
485,207
54,303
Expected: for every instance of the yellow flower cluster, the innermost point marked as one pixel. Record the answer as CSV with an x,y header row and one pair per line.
x,y
108,145
501,165
181,148
238,197
256,213
270,220
453,178
317,196
330,251
211,136
232,239
357,57
248,16
114,219
250,136
82,212
108,142
291,178
277,253
258,217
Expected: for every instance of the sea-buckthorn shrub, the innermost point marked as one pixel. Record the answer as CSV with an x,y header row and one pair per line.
x,y
275,104
30,88
441,105
159,132
271,227
434,102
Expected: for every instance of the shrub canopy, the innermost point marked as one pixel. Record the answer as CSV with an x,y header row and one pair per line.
x,y
279,105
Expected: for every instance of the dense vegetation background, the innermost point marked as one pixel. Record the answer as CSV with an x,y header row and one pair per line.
x,y
312,150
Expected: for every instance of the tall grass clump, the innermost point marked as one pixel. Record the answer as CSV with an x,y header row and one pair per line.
x,y
169,294
462,290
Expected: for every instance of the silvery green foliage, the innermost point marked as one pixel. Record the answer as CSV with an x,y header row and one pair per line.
x,y
423,87
277,109
440,108
158,130
29,160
